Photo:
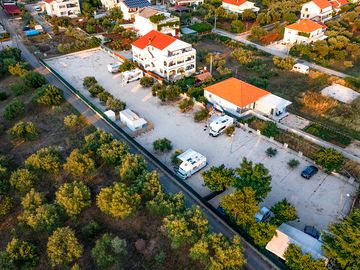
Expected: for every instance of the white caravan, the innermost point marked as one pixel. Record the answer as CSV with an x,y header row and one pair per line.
x,y
304,69
113,67
220,124
132,75
191,162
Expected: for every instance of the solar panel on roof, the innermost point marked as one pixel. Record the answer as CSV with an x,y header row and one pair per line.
x,y
137,3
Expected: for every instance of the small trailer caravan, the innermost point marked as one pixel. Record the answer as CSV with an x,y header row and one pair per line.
x,y
113,67
220,124
191,162
132,75
304,69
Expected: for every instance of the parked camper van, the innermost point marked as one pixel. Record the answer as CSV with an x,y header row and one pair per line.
x,y
220,124
191,162
113,67
304,69
132,75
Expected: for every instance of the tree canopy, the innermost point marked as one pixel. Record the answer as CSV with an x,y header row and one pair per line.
x,y
296,260
79,164
241,205
284,212
218,178
262,232
45,159
342,245
255,176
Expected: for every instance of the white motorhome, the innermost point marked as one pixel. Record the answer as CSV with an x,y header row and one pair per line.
x,y
304,69
132,75
191,162
113,67
220,124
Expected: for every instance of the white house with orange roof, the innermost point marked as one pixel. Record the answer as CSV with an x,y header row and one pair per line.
x,y
304,31
337,4
62,8
238,6
164,55
236,97
317,10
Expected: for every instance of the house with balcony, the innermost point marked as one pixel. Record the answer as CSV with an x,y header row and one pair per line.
x,y
304,31
238,6
130,8
186,2
337,4
62,8
237,97
317,10
164,55
149,18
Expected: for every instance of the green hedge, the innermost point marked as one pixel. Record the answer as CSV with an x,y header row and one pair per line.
x,y
328,135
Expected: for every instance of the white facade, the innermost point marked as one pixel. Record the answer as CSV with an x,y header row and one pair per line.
x,y
240,8
187,2
295,36
63,8
132,120
172,62
169,25
311,10
109,4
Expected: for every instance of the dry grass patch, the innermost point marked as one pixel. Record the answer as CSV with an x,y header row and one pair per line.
x,y
314,101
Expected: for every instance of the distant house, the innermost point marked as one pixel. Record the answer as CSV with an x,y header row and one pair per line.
x,y
150,18
131,7
11,8
337,4
238,6
236,97
62,8
164,55
186,2
317,10
304,31
109,4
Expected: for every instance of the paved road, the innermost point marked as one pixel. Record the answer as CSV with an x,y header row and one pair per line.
x,y
241,38
38,18
255,260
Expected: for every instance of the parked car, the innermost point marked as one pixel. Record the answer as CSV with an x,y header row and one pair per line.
x,y
37,8
263,215
26,28
309,171
221,211
312,231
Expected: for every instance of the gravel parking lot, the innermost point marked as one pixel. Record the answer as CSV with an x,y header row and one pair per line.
x,y
319,201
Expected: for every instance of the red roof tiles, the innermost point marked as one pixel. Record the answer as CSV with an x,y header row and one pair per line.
x,y
155,39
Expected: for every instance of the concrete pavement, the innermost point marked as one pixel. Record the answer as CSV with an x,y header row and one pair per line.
x,y
255,260
242,39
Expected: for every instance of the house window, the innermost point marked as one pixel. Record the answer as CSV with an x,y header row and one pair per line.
x,y
306,9
210,95
238,110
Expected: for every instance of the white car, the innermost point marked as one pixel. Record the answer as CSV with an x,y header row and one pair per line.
x,y
37,8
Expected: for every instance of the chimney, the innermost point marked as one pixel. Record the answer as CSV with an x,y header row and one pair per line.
x,y
149,42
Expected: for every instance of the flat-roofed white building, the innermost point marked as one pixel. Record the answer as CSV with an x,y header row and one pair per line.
x,y
62,8
166,56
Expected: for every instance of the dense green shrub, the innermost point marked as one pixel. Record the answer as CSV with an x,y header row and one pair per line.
x,y
186,105
5,205
126,66
20,69
146,81
201,115
18,88
33,79
162,145
229,131
79,164
22,254
96,89
271,152
43,218
201,27
90,230
284,63
89,81
329,159
115,104
269,129
25,131
49,95
104,96
73,121
293,163
13,109
3,96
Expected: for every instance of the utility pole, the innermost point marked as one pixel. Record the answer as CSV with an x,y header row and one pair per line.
x,y
215,20
211,60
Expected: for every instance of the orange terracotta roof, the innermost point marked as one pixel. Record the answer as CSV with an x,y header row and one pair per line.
x,y
305,25
204,76
322,3
48,1
338,3
155,39
235,2
237,92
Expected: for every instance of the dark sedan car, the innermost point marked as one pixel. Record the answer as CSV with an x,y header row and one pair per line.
x,y
309,171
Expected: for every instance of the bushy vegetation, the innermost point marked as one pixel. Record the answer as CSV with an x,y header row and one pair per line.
x,y
13,109
126,66
33,79
96,89
146,81
79,165
328,135
73,121
186,105
293,163
271,152
201,115
162,145
49,95
201,27
269,129
89,81
115,104
45,160
284,63
23,179
24,131
329,159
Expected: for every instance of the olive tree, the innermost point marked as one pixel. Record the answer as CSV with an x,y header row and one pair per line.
x,y
284,212
49,95
113,152
43,218
131,167
32,200
22,254
13,109
78,164
262,232
118,201
94,140
63,247
24,131
218,178
108,250
46,159
329,159
23,179
73,197
33,79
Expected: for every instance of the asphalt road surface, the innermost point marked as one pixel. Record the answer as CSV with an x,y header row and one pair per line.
x,y
255,260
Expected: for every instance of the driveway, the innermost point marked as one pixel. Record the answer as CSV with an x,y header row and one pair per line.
x,y
319,201
40,20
